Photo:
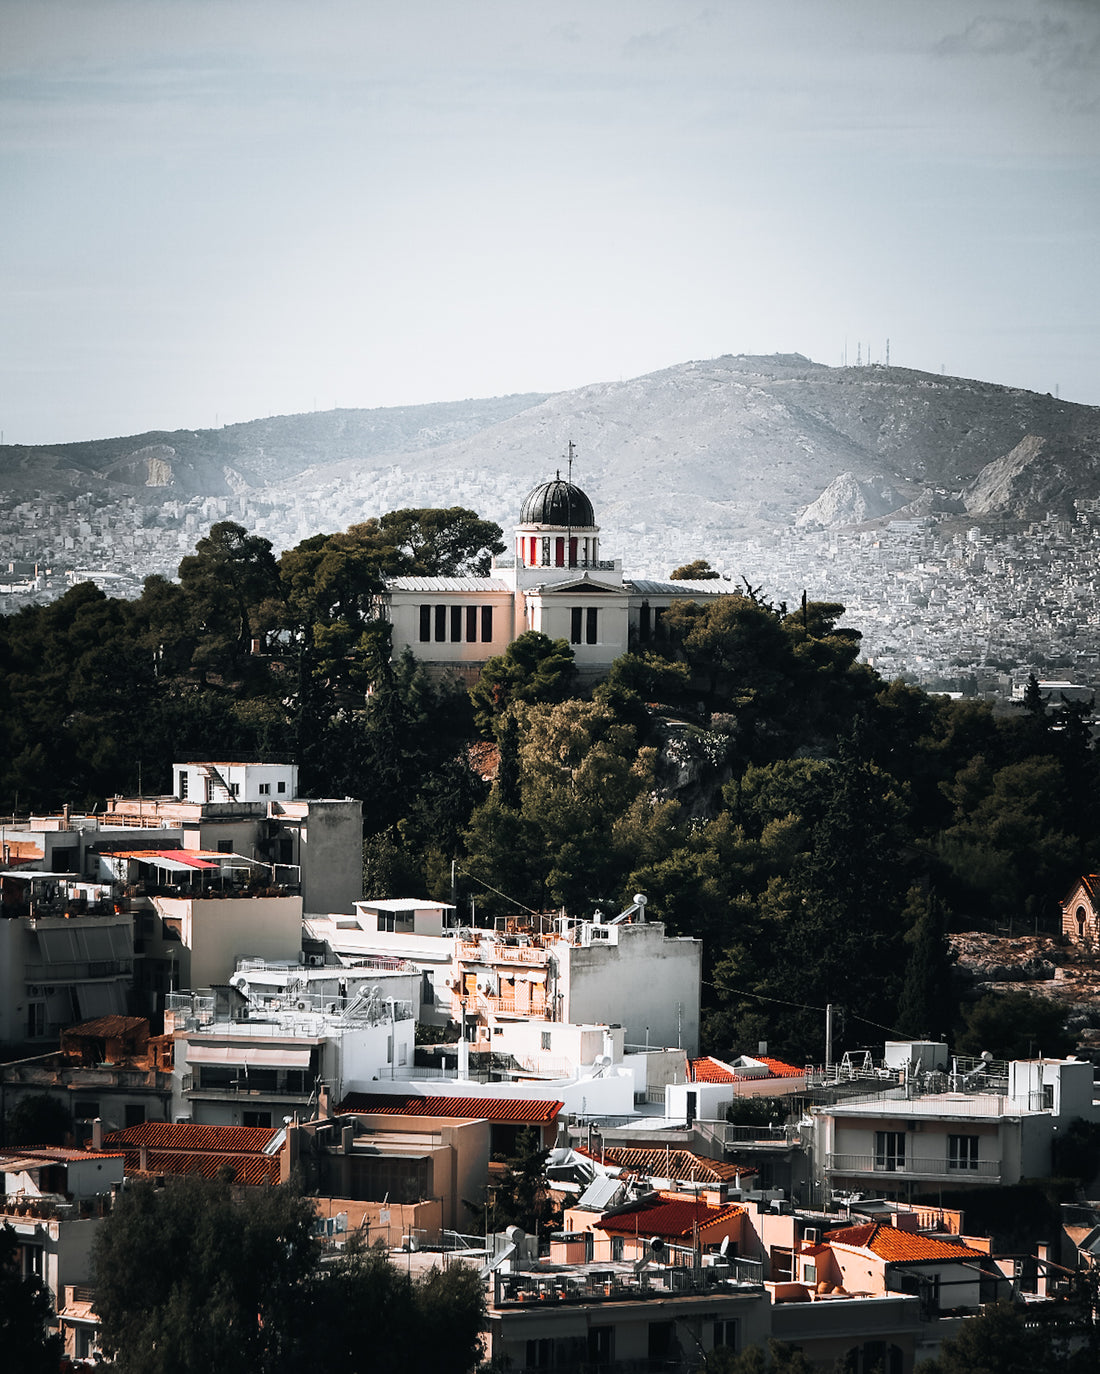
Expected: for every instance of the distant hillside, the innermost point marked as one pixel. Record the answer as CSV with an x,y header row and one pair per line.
x,y
738,445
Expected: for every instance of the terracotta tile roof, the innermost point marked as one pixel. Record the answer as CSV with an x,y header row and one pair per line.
x,y
711,1070
536,1111
670,1218
652,1161
247,1168
900,1247
17,1157
781,1070
108,1027
166,1135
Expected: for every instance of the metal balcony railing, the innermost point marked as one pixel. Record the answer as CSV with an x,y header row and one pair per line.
x,y
916,1166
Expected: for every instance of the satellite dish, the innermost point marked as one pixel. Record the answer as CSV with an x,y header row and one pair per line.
x,y
724,1247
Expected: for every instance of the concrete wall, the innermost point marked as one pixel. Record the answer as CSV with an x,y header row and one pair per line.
x,y
332,856
637,978
219,931
13,1000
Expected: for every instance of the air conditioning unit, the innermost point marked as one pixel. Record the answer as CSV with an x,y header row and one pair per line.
x,y
302,1006
316,961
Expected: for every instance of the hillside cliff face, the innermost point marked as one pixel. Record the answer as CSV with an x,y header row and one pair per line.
x,y
737,443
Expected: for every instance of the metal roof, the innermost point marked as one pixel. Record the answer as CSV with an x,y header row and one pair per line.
x,y
708,586
447,584
539,1111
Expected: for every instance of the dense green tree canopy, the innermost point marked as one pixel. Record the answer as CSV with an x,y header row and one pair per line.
x,y
199,1275
822,831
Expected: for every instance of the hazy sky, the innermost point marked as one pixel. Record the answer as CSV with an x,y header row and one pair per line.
x,y
214,210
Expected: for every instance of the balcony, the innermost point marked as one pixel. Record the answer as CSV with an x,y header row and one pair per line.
x,y
77,970
916,1168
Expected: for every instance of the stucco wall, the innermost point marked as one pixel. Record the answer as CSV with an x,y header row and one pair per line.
x,y
638,979
332,856
219,931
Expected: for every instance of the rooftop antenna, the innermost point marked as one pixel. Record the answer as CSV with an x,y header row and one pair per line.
x,y
569,561
887,352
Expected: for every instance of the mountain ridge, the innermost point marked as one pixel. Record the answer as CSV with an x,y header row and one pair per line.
x,y
741,443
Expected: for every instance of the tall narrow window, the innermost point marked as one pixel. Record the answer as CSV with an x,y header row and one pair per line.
x,y
546,551
440,624
591,627
559,551
425,624
890,1151
962,1152
572,553
644,622
456,624
183,785
486,624
575,628
471,624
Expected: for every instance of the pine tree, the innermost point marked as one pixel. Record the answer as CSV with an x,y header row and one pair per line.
x,y
926,1007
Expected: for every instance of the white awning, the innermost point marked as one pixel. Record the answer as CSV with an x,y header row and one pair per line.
x,y
273,1057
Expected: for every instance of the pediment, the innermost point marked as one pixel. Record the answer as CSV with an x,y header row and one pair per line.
x,y
581,585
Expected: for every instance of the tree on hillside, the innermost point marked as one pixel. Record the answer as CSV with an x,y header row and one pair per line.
x,y
443,543
1015,1025
226,579
698,570
926,1007
533,668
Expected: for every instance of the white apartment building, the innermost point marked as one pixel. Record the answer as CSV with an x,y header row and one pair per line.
x,y
983,1123
255,1061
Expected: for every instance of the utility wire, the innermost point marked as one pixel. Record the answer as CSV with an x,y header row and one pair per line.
x,y
801,1006
467,874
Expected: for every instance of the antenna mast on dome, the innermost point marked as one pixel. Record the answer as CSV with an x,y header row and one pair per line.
x,y
570,561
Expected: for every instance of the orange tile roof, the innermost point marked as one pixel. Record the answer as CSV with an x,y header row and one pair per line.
x,y
711,1070
166,1135
900,1247
671,1218
653,1161
537,1111
247,1168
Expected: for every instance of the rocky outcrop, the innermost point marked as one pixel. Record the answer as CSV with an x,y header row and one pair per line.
x,y
848,501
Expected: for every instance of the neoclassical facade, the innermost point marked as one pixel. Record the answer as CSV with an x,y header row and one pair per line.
x,y
553,580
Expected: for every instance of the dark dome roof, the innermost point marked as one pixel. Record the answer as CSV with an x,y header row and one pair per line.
x,y
557,503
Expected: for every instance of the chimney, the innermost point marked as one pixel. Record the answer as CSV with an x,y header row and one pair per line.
x,y
97,1134
143,1158
324,1111
347,1137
